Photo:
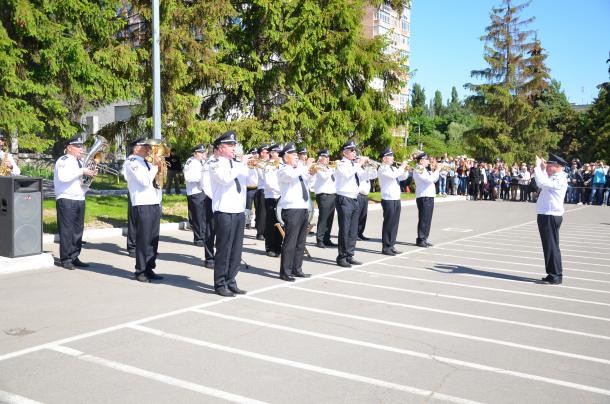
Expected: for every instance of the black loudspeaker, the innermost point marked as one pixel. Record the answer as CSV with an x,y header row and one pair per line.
x,y
20,216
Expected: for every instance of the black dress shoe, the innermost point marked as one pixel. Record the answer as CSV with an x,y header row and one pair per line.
x,y
224,292
272,254
388,252
395,251
344,264
79,264
132,254
353,261
301,274
260,237
208,264
68,265
286,278
320,244
429,243
142,278
551,280
422,244
152,275
198,243
330,244
363,238
237,290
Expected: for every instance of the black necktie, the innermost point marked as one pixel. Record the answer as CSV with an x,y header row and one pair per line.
x,y
397,180
237,184
303,189
80,165
332,177
356,177
147,165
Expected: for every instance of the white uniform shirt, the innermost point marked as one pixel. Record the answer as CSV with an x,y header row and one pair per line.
x,y
365,180
252,178
139,175
67,179
290,186
15,170
424,182
193,173
388,176
323,182
272,187
346,178
225,197
550,200
206,181
260,172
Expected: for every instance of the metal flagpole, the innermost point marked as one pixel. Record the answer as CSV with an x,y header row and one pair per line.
x,y
156,70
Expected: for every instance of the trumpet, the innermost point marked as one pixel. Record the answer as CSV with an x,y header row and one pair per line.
x,y
262,164
372,164
161,151
315,167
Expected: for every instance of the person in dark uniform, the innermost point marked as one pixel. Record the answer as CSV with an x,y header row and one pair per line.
x,y
193,173
146,202
389,179
348,185
260,218
228,183
293,180
326,193
273,238
551,179
425,176
174,169
70,202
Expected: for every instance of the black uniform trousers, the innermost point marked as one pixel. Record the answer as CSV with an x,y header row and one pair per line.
x,y
273,238
209,228
261,212
347,212
147,218
548,227
425,208
131,227
326,215
197,216
250,197
295,225
363,211
229,243
391,219
71,222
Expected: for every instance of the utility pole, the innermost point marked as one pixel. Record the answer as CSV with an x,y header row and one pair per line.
x,y
156,70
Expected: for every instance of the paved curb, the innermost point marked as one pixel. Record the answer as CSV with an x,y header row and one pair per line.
x,y
12,265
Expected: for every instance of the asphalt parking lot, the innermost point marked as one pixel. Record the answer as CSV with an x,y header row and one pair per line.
x,y
465,321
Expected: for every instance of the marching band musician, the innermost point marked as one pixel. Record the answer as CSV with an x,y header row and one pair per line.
x,y
293,181
273,238
228,180
348,184
146,204
70,202
260,217
131,223
425,192
326,193
193,171
389,179
303,158
551,179
365,177
7,159
252,188
209,226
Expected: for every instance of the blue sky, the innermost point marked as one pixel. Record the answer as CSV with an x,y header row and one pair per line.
x,y
445,43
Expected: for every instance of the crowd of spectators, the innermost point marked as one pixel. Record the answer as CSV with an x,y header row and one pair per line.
x,y
588,183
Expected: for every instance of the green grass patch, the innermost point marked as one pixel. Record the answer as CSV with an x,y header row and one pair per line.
x,y
111,211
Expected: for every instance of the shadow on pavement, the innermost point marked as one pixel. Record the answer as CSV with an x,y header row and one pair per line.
x,y
458,269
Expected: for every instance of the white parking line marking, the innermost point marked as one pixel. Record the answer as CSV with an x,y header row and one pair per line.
x,y
537,249
407,352
11,398
449,312
535,254
457,230
436,331
172,381
304,366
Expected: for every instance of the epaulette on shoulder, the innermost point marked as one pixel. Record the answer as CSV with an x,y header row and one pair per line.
x,y
64,157
131,159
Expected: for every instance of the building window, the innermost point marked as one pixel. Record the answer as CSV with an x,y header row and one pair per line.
x,y
405,24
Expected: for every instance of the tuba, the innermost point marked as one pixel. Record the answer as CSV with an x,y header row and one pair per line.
x,y
94,158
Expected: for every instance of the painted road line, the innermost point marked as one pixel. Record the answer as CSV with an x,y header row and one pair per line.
x,y
535,253
11,398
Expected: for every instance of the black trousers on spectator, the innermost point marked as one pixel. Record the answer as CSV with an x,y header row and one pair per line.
x,y
326,215
391,218
295,226
273,238
147,218
261,212
363,211
209,229
173,176
548,227
71,222
425,208
131,227
347,213
229,244
197,216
